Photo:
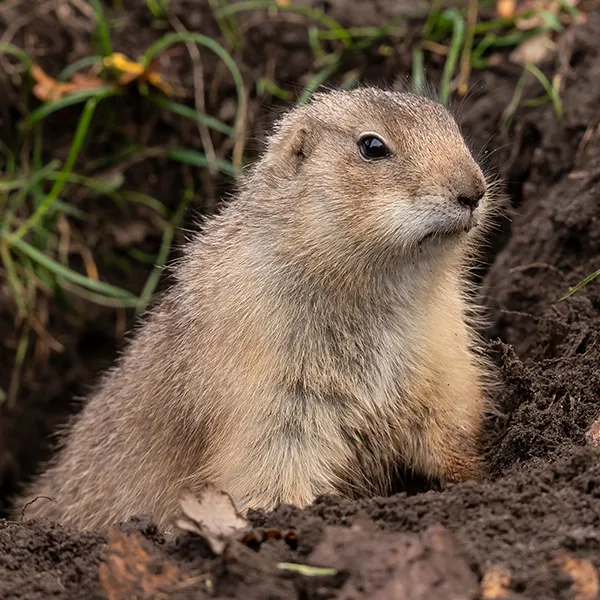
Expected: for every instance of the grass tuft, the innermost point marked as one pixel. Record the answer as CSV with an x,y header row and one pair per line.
x,y
32,248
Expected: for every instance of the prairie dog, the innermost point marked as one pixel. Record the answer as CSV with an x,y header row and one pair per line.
x,y
315,338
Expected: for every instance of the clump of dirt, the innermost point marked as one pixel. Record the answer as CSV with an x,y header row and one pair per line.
x,y
531,530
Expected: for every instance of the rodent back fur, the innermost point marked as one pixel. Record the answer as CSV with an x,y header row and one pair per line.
x,y
312,341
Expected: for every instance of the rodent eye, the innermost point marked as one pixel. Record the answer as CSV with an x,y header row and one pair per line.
x,y
372,148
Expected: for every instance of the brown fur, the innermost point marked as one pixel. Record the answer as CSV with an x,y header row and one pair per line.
x,y
315,338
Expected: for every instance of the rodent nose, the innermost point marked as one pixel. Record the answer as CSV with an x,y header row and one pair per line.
x,y
469,201
471,198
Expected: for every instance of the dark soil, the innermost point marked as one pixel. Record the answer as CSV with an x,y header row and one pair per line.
x,y
531,531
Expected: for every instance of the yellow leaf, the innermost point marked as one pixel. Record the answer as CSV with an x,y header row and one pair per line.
x,y
122,63
132,71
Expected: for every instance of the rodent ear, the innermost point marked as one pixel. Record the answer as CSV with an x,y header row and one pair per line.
x,y
298,144
290,148
295,149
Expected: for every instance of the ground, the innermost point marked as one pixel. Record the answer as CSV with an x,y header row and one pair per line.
x,y
532,529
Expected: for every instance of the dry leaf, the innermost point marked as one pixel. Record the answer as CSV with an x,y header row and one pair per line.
x,y
130,572
495,584
592,435
534,50
583,574
48,89
132,71
212,515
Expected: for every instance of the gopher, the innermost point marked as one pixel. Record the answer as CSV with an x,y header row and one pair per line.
x,y
316,337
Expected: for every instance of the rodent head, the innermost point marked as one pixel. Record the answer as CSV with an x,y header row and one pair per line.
x,y
391,169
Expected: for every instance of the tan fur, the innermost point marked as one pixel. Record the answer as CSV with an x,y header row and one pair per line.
x,y
314,339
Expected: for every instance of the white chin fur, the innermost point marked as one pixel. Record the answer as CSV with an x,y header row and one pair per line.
x,y
428,218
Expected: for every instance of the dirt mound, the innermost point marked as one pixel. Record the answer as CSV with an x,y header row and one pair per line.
x,y
533,530
537,532
553,376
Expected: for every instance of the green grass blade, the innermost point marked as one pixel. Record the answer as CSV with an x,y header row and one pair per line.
x,y
62,271
121,198
46,171
108,161
318,79
141,256
78,65
499,24
418,69
551,90
15,380
582,283
37,161
267,86
100,299
163,253
198,159
432,19
103,32
203,40
458,35
159,9
357,32
45,110
308,11
477,60
307,570
102,185
174,38
141,198
16,52
315,43
191,113
514,38
227,24
9,159
13,279
69,209
78,138
19,197
11,184
511,109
